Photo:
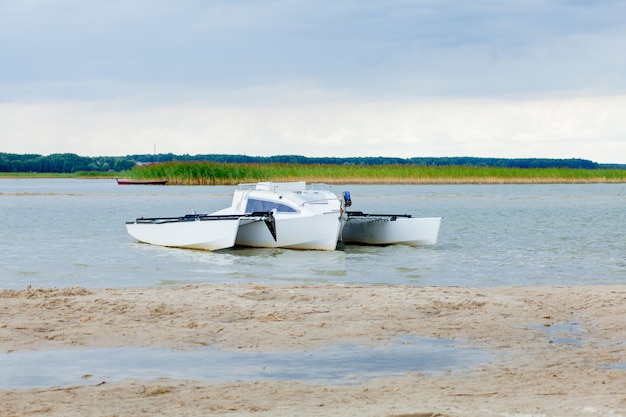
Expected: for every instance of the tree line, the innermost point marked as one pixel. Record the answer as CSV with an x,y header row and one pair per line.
x,y
62,163
71,163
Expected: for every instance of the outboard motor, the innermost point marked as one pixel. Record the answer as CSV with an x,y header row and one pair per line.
x,y
346,198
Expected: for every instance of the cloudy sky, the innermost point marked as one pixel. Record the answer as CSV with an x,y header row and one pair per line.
x,y
403,78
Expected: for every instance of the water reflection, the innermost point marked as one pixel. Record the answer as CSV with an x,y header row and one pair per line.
x,y
339,364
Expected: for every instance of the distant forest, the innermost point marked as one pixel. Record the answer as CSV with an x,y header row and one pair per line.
x,y
70,163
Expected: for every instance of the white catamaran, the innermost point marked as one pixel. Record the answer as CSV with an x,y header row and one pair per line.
x,y
285,215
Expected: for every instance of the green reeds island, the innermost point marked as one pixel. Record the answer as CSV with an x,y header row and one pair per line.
x,y
215,173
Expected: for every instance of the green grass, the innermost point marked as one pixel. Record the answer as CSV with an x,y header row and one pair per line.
x,y
213,173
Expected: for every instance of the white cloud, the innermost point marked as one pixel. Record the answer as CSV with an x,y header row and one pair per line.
x,y
395,78
590,128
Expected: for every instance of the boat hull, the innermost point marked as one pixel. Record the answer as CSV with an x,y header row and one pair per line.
x,y
196,234
315,232
140,182
412,231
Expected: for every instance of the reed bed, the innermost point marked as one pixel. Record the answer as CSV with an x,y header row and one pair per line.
x,y
214,173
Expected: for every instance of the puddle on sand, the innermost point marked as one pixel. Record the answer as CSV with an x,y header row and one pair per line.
x,y
562,333
339,364
621,366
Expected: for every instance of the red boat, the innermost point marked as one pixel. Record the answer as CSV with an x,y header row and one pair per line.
x,y
141,182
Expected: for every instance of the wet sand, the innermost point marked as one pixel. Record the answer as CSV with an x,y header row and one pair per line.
x,y
536,374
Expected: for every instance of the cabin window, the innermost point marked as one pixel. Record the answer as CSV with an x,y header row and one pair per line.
x,y
262,205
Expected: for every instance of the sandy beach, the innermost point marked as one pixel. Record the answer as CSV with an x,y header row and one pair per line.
x,y
535,375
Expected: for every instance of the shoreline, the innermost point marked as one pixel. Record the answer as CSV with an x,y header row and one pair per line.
x,y
436,180
538,375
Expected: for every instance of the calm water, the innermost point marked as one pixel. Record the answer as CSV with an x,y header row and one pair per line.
x,y
65,232
339,364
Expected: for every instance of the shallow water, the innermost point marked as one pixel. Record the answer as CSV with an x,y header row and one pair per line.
x,y
66,232
339,364
562,333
